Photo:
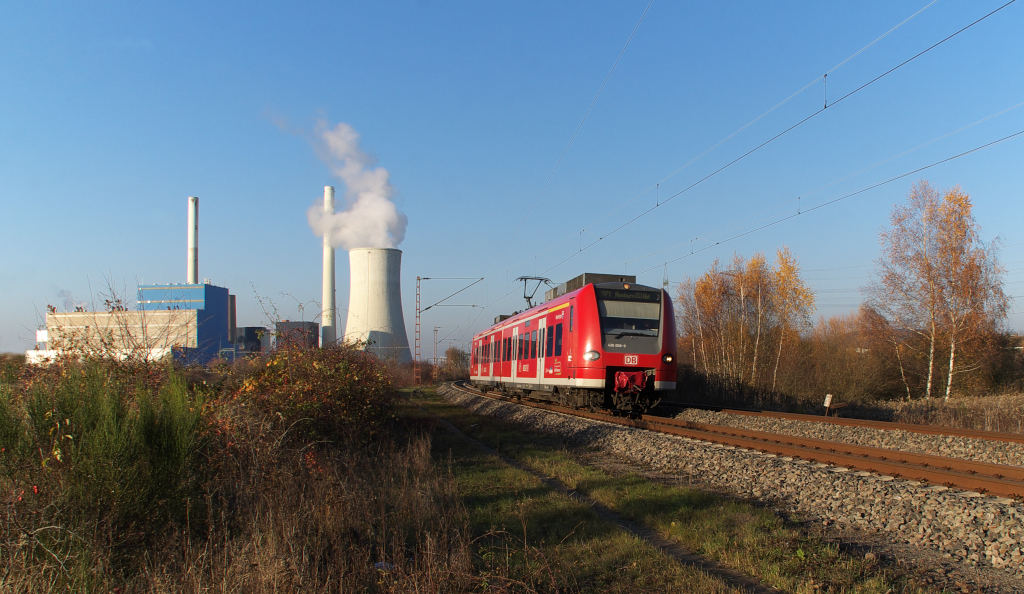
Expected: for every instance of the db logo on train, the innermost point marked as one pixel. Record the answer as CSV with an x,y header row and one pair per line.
x,y
631,360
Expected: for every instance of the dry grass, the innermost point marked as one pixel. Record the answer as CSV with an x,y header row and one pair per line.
x,y
1004,412
264,500
356,519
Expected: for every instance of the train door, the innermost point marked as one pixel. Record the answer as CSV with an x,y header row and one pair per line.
x,y
515,354
491,352
541,369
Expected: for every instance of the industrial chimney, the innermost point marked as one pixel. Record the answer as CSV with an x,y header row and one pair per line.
x,y
328,326
193,241
375,303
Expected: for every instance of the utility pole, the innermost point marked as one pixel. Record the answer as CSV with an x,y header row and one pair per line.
x,y
435,352
416,377
416,358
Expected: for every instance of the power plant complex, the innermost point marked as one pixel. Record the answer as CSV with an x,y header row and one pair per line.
x,y
195,322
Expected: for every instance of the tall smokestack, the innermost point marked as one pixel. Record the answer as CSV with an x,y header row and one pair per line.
x,y
193,241
375,303
328,327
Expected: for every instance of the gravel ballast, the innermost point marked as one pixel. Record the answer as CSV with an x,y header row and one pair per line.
x,y
968,527
966,448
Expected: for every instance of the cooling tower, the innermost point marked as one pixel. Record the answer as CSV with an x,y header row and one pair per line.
x,y
375,303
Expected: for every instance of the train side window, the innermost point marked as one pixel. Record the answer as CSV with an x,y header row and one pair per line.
x,y
540,342
533,345
505,348
558,340
550,345
571,308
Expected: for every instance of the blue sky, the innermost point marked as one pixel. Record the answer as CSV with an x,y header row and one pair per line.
x,y
113,113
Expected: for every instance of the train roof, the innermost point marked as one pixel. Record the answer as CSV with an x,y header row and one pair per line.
x,y
556,302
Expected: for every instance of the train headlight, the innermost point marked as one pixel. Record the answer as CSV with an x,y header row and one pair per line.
x,y
591,356
668,358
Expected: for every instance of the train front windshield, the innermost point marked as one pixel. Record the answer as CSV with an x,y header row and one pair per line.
x,y
629,313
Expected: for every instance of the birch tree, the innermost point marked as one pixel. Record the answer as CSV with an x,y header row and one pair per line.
x,y
935,279
972,302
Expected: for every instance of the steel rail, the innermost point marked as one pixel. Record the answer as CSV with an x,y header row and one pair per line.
x,y
885,425
1015,473
877,460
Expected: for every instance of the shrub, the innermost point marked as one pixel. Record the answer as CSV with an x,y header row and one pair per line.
x,y
95,469
341,391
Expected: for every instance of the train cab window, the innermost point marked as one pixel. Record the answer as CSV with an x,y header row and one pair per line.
x,y
558,340
533,345
550,345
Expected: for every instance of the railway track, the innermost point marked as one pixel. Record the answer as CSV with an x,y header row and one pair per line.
x,y
994,479
887,425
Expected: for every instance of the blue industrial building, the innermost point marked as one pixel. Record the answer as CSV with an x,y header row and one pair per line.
x,y
215,316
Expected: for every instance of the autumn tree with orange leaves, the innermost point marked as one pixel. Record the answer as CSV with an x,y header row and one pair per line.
x,y
735,321
938,286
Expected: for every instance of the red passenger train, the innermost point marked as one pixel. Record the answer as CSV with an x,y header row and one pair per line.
x,y
605,345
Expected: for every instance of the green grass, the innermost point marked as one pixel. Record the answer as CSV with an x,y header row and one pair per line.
x,y
737,534
531,537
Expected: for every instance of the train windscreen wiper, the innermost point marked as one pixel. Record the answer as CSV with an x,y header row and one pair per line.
x,y
636,333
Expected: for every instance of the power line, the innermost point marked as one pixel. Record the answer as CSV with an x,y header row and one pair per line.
x,y
797,199
456,292
777,136
573,138
661,203
840,198
569,144
744,127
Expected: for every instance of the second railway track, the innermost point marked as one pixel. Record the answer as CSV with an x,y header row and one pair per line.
x,y
994,479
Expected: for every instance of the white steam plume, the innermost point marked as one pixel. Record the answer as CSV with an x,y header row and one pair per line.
x,y
371,219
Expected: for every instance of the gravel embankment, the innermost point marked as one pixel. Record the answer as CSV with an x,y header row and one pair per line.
x,y
966,448
976,529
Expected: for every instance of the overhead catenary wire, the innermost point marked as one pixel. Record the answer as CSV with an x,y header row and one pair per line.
x,y
698,157
842,197
712,233
573,137
569,144
772,139
456,292
656,186
780,134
